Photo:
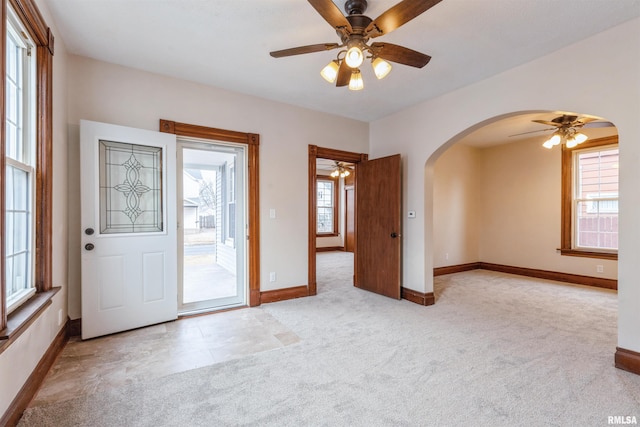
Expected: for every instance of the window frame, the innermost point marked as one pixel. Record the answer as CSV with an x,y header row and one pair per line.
x,y
336,200
14,324
567,213
25,160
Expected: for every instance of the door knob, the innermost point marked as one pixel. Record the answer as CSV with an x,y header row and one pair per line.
x,y
394,235
89,246
88,231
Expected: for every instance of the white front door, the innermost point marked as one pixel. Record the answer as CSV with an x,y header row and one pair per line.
x,y
129,245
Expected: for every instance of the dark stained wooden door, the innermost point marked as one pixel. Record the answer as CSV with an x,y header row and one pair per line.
x,y
378,225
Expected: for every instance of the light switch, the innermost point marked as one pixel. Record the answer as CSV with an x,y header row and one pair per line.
x,y
272,213
412,214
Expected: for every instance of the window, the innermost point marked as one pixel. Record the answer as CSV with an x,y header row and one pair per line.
x,y
20,164
590,199
25,168
327,203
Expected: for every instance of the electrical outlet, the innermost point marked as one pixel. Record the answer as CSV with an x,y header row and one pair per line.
x,y
272,276
446,256
600,268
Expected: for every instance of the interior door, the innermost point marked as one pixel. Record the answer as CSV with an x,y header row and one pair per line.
x,y
128,211
378,197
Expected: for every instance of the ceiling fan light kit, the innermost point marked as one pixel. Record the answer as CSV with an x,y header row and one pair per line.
x,y
356,82
553,141
381,68
355,30
330,72
570,136
340,171
354,57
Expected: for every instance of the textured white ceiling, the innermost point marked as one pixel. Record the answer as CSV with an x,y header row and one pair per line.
x,y
226,43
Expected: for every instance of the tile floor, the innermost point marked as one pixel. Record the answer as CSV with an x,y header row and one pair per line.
x,y
95,365
128,357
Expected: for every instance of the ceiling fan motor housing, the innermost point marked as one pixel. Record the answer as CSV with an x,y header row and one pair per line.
x,y
355,7
565,119
358,24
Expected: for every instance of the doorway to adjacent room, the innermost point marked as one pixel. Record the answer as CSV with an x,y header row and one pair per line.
x,y
212,222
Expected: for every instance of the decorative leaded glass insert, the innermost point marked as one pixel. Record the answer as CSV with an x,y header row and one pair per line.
x,y
130,188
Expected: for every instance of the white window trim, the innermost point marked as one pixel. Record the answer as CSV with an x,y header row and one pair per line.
x,y
333,207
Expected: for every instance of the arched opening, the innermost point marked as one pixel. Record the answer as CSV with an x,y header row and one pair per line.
x,y
503,202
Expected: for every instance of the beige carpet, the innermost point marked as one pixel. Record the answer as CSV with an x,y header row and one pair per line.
x,y
495,350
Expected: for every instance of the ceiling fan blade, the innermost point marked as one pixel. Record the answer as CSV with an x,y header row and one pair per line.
x,y
398,15
533,131
344,74
303,49
331,13
584,120
598,125
400,54
548,123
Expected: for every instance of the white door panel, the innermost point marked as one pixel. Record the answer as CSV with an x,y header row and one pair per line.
x,y
129,247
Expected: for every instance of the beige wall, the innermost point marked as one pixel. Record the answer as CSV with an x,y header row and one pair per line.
x,y
608,87
521,211
23,355
501,205
456,207
110,93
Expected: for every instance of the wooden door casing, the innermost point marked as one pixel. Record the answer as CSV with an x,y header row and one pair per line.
x,y
349,220
315,153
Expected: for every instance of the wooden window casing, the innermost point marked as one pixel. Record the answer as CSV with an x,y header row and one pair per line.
x,y
567,246
30,17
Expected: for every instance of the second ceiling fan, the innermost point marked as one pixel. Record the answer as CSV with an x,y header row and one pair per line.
x,y
355,30
566,129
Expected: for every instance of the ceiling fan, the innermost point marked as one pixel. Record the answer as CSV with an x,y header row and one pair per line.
x,y
355,30
341,170
566,128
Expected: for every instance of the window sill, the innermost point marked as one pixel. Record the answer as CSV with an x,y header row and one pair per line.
x,y
25,315
327,234
589,254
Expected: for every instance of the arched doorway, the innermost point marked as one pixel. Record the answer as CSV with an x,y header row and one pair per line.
x,y
502,201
